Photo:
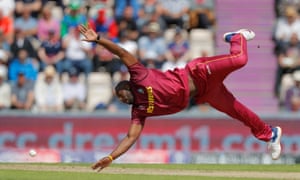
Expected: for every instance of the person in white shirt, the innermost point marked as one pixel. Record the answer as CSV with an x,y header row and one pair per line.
x,y
285,27
76,52
74,92
5,89
8,7
48,92
126,43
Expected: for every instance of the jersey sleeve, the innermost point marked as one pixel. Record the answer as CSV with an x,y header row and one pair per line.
x,y
136,118
137,72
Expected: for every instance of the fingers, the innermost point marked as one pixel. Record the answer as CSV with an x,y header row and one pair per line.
x,y
95,166
101,164
100,169
86,40
82,28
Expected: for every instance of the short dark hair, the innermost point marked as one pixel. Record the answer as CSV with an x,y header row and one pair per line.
x,y
125,84
73,72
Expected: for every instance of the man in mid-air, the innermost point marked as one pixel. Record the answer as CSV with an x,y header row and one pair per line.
x,y
152,92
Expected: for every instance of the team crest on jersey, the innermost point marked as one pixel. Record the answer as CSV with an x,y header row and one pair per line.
x,y
141,91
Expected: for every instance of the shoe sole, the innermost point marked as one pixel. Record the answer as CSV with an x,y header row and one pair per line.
x,y
279,139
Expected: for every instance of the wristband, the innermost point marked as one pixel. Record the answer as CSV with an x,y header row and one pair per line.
x,y
98,37
110,157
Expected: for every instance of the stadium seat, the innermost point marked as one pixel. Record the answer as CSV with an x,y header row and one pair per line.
x,y
99,90
201,42
118,76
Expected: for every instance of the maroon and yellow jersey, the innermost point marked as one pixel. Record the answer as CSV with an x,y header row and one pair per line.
x,y
157,93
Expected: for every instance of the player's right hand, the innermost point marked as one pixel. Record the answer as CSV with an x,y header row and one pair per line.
x,y
89,34
101,164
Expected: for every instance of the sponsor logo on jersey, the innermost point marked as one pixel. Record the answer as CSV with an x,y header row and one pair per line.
x,y
150,107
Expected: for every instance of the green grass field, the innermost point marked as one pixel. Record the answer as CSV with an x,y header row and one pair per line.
x,y
28,171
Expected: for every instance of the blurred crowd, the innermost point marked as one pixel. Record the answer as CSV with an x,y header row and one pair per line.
x,y
44,65
286,37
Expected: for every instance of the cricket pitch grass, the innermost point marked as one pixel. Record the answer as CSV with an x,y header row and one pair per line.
x,y
66,171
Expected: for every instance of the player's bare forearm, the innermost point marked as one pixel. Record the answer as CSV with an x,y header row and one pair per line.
x,y
91,36
123,147
133,134
127,58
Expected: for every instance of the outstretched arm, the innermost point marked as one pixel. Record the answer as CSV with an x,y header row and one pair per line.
x,y
91,36
133,133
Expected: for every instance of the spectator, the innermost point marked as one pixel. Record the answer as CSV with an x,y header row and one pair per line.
x,y
7,27
48,92
201,14
178,52
77,52
285,27
4,45
150,12
22,63
47,23
152,46
174,12
105,24
292,101
22,97
102,19
5,89
142,21
128,22
57,8
74,92
27,23
150,60
3,59
149,7
121,5
105,61
22,42
288,60
280,5
72,18
7,7
125,42
51,52
58,3
100,4
34,6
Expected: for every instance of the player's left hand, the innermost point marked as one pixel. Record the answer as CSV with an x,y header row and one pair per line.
x,y
101,164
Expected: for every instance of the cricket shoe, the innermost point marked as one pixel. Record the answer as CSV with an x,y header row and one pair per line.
x,y
274,144
248,34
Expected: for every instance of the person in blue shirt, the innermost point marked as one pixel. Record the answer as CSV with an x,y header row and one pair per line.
x,y
120,6
22,64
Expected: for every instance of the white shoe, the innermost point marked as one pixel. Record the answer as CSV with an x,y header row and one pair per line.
x,y
274,144
248,34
